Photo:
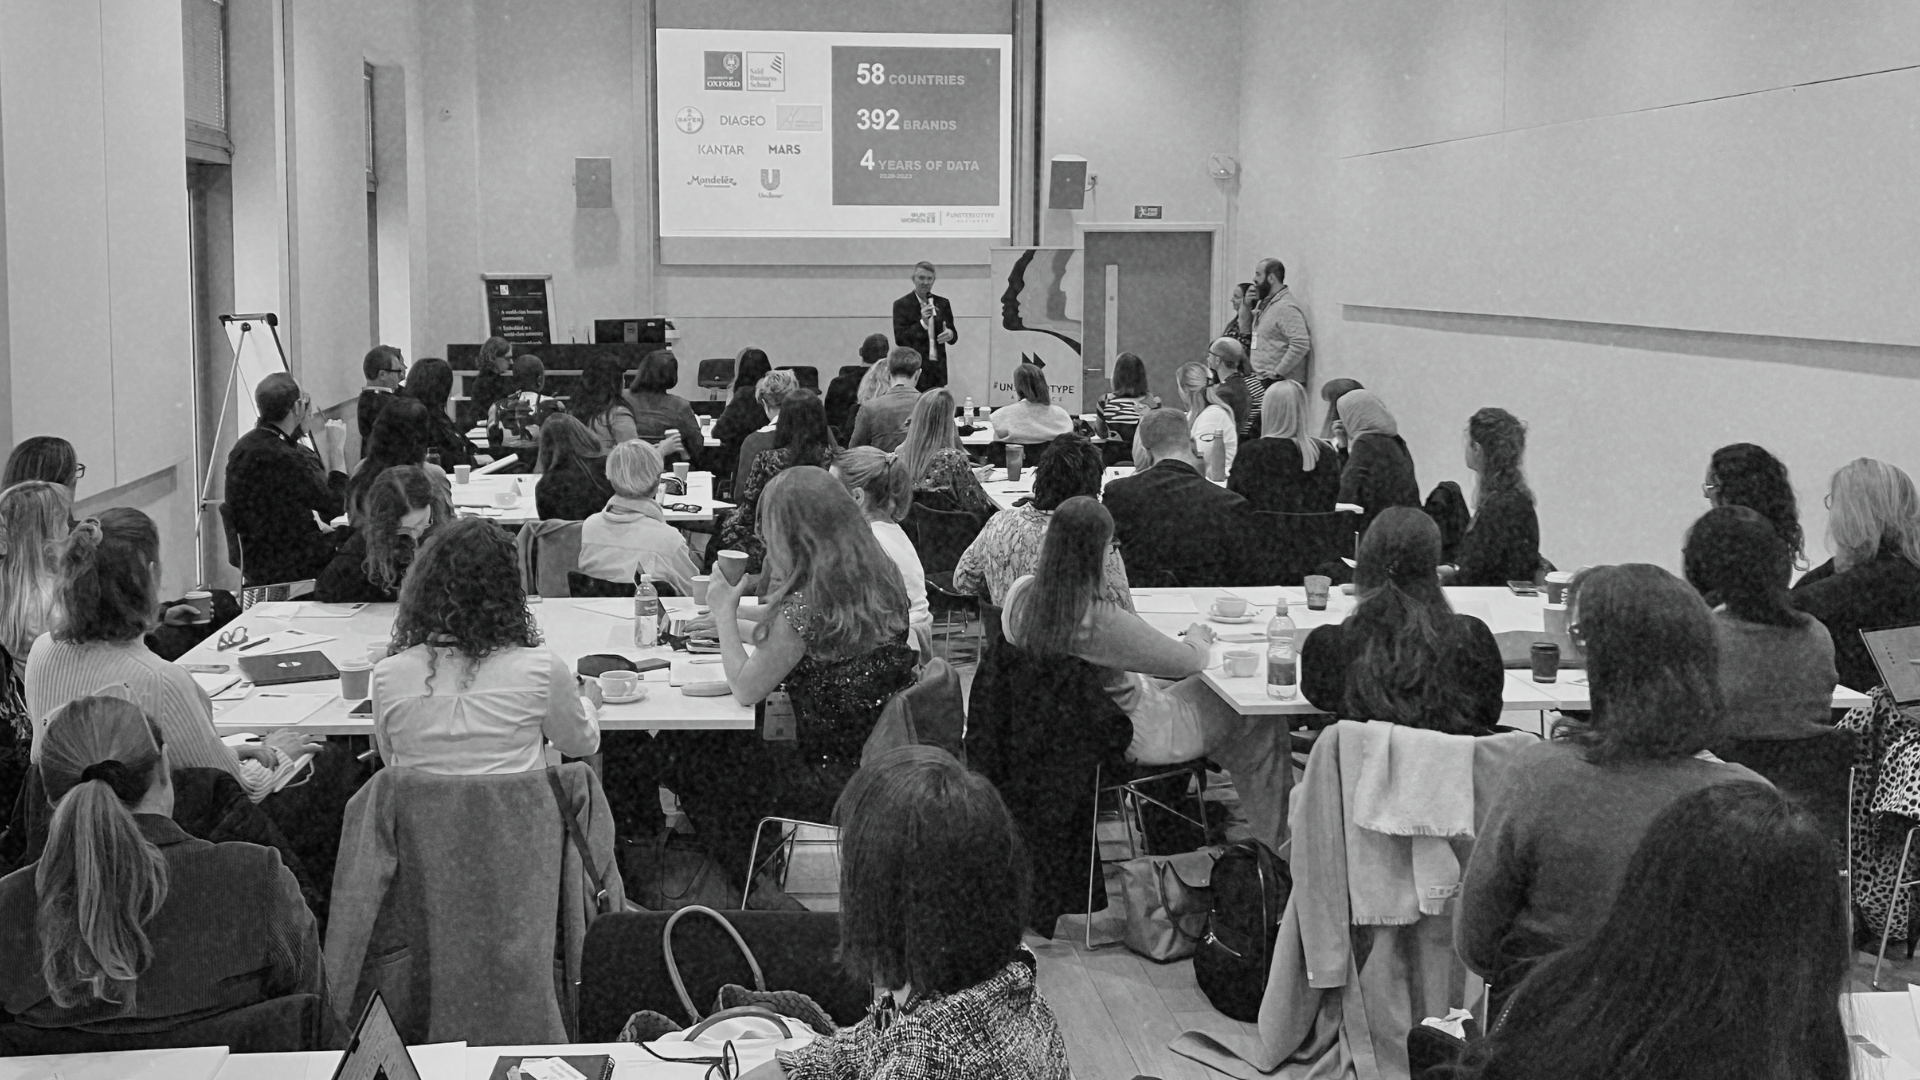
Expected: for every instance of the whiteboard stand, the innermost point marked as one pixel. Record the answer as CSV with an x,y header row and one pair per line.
x,y
226,399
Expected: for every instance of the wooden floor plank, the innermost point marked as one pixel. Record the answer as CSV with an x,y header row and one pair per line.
x,y
1095,1049
1142,1018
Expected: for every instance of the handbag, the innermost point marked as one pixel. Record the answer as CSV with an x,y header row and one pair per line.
x,y
676,872
931,712
602,902
1167,900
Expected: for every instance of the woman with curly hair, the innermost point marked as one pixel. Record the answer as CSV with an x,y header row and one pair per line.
x,y
1743,474
466,688
403,505
601,404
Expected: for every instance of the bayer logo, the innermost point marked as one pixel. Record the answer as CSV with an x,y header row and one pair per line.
x,y
689,120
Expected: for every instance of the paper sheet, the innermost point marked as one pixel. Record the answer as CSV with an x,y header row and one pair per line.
x,y
1881,1033
276,609
275,708
214,684
193,1063
329,611
702,668
1164,603
281,641
1265,595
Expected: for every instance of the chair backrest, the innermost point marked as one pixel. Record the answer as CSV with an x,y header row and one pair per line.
x,y
288,1024
940,536
549,550
716,374
1284,548
623,968
805,374
236,555
1812,770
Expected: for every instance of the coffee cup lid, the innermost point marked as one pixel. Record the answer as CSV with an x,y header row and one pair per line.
x,y
354,663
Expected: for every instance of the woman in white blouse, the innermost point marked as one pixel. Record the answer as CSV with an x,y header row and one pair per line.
x,y
877,480
1034,418
467,688
1216,437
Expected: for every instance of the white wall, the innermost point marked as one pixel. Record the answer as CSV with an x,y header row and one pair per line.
x,y
1648,229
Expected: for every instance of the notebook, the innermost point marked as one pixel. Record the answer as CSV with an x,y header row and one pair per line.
x,y
553,1067
277,668
1896,652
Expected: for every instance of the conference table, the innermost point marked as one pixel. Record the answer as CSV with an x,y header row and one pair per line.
x,y
480,497
1005,492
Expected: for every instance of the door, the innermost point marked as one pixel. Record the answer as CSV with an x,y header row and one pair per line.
x,y
1148,292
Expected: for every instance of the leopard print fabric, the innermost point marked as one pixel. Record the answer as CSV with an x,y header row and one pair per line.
x,y
1885,803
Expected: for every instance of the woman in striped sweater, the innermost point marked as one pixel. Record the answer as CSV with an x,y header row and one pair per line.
x,y
107,597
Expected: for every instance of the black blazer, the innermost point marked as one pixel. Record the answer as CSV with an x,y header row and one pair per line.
x,y
1267,472
275,486
1379,475
1176,527
372,404
842,395
1879,594
1472,663
908,332
742,417
344,581
575,492
1502,544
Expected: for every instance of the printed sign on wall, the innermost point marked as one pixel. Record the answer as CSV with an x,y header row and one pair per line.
x,y
1038,322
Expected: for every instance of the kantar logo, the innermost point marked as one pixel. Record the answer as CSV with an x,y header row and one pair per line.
x,y
689,120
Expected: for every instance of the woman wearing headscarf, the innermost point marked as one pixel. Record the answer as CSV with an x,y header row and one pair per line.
x,y
1379,470
1331,393
1285,469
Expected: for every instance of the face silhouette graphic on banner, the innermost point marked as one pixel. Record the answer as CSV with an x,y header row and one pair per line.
x,y
1039,321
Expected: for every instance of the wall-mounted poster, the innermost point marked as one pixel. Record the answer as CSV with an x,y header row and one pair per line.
x,y
1038,322
520,308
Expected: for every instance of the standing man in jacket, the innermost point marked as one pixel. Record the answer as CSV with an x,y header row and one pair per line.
x,y
1282,348
914,315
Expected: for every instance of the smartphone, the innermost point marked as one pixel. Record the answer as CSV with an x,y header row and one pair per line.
x,y
365,708
1524,588
651,663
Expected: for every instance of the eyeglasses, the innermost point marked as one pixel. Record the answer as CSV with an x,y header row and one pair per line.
x,y
1709,490
724,1067
683,508
1829,500
80,470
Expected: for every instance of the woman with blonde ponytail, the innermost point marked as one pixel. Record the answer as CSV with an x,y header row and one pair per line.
x,y
878,482
126,923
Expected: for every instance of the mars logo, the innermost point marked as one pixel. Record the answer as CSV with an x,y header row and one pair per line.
x,y
689,120
783,148
723,71
751,120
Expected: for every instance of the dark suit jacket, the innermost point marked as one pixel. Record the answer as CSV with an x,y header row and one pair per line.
x,y
908,331
1176,527
372,404
1872,596
274,488
842,395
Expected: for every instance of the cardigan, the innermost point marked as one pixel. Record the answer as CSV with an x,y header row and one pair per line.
x,y
1502,544
1268,473
1472,662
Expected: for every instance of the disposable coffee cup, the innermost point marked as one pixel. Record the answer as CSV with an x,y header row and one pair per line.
x,y
1016,456
1553,618
1546,661
700,583
680,470
356,680
1557,583
732,564
377,651
202,602
462,473
1318,588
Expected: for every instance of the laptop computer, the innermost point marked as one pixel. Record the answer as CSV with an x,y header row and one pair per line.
x,y
275,669
1896,653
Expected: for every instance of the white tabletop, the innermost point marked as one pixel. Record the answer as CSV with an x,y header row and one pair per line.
x,y
1005,492
478,496
458,1061
573,628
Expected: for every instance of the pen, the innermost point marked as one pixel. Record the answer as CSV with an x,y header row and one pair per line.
x,y
250,645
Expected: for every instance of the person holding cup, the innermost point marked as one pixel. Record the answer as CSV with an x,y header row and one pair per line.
x,y
468,688
631,533
1404,655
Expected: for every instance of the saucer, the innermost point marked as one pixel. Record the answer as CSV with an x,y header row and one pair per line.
x,y
639,694
1234,620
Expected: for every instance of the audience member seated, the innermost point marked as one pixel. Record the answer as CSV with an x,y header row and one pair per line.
x,y
466,687
946,963
600,403
843,392
573,472
399,440
1378,474
403,506
1743,474
126,923
1033,418
631,534
109,569
1725,956
279,492
744,414
1286,470
494,381
1503,542
1210,420
430,382
514,420
1008,548
1059,611
1331,394
878,483
1227,363
1120,408
876,382
35,516
44,457
1404,655
936,461
1873,579
1776,663
770,393
1174,526
800,438
660,416
882,419
1551,856
385,369
834,635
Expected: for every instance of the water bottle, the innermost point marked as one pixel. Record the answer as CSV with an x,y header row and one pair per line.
x,y
1283,678
646,611
969,408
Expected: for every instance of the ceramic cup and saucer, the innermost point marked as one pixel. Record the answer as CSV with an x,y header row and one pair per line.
x,y
622,687
1230,609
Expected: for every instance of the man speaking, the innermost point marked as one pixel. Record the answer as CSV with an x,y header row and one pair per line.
x,y
923,322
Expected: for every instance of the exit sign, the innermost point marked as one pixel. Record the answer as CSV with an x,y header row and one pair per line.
x,y
1146,213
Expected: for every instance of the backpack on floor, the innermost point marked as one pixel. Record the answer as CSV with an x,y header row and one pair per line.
x,y
1250,889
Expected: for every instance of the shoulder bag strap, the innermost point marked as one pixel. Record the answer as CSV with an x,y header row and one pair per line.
x,y
579,841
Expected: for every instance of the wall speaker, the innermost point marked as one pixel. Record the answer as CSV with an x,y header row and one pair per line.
x,y
593,183
1067,184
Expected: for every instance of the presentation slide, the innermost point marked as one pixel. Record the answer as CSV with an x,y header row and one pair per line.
x,y
766,133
